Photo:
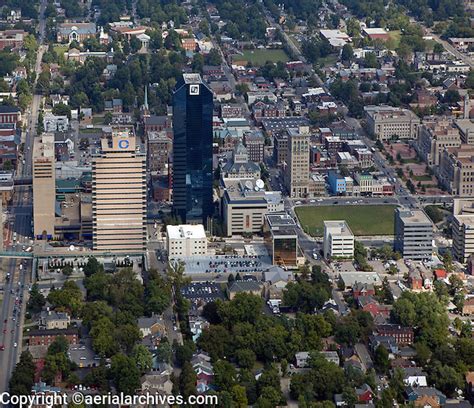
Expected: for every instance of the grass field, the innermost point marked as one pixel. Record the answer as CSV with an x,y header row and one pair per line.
x,y
422,178
60,48
259,57
363,219
97,120
394,38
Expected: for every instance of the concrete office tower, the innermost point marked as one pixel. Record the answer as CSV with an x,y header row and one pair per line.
x,y
338,240
44,186
297,168
119,194
463,229
192,150
413,234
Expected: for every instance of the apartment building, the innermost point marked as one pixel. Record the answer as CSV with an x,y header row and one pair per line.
x,y
463,229
434,135
456,170
338,240
255,143
119,194
44,186
245,204
186,240
413,234
386,122
297,168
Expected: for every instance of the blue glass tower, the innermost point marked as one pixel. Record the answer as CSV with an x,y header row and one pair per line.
x,y
192,150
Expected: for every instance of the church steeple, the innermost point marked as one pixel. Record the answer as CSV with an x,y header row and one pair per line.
x,y
145,109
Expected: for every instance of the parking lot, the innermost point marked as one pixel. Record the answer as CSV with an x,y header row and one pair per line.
x,y
226,264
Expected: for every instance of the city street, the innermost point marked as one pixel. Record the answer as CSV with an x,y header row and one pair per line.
x,y
21,213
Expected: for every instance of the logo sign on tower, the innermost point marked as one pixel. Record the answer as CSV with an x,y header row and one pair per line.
x,y
194,90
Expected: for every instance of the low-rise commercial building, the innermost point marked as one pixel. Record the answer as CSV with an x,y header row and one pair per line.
x,y
245,204
386,122
281,236
185,240
338,240
413,234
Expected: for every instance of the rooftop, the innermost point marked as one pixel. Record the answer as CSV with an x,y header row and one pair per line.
x,y
185,231
338,228
192,78
413,216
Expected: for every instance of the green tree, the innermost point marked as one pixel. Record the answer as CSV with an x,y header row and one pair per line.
x,y
125,374
347,53
36,300
142,357
22,378
381,360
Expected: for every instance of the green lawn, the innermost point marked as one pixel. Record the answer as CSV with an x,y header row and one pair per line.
x,y
328,61
362,219
394,38
259,57
90,130
97,120
60,48
422,178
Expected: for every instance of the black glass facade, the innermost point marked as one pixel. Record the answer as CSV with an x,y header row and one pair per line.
x,y
192,150
285,251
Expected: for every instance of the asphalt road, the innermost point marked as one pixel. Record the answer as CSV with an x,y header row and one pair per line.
x,y
21,210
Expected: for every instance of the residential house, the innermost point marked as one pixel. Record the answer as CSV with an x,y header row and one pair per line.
x,y
425,397
364,393
249,286
414,376
154,326
54,320
363,289
204,372
468,307
385,341
302,359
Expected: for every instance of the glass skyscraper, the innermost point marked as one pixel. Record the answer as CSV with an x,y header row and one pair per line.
x,y
192,149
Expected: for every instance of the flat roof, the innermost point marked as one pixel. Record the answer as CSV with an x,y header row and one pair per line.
x,y
413,216
280,220
192,78
375,30
186,231
338,228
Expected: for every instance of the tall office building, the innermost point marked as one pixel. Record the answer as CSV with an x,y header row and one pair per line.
x,y
44,186
297,168
463,229
413,234
192,150
119,194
